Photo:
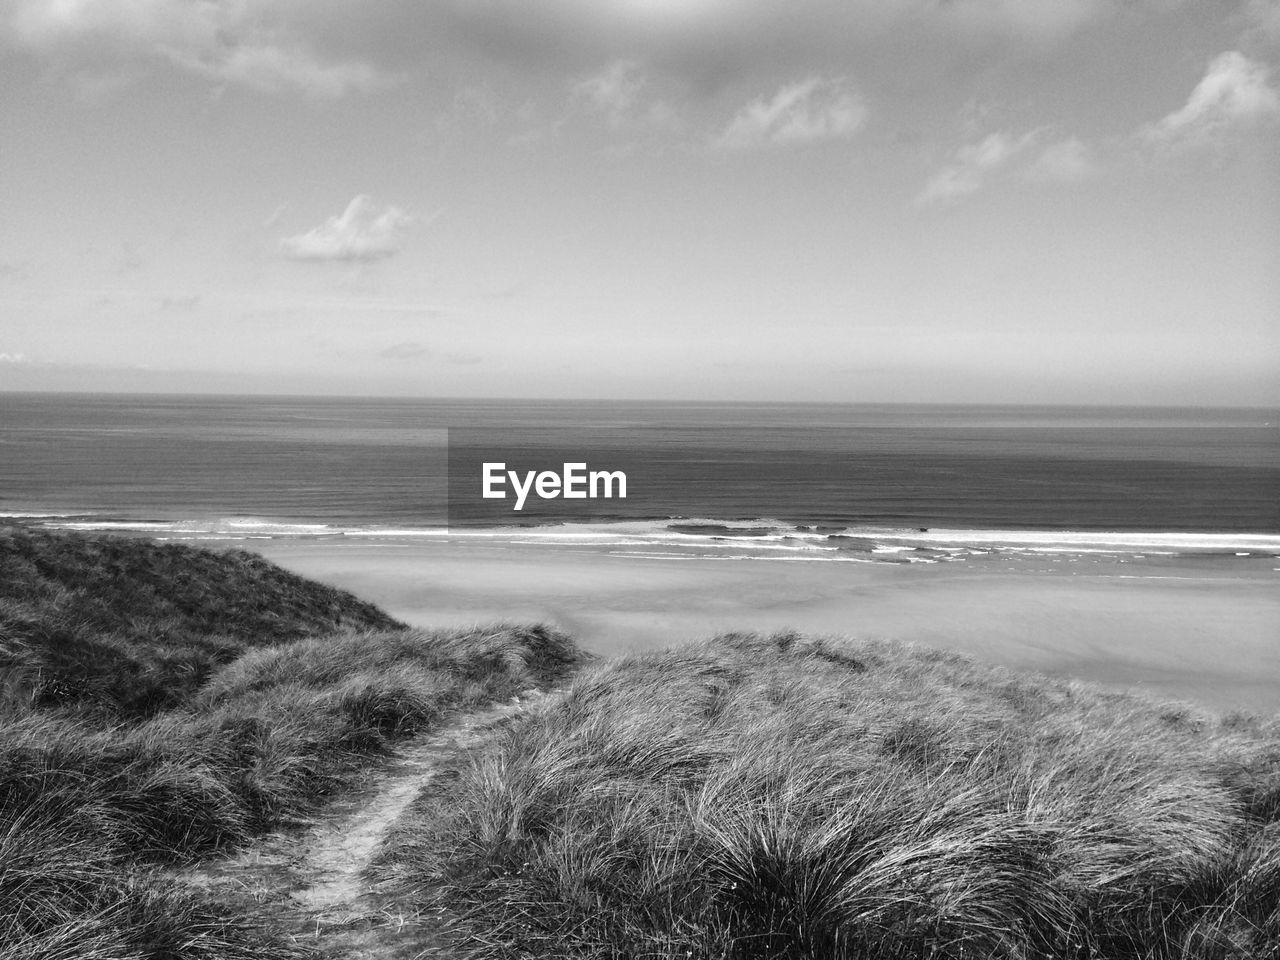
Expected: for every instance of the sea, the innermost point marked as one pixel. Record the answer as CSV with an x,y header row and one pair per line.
x,y
842,482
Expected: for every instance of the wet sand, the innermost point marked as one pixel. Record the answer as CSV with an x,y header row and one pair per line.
x,y
1200,629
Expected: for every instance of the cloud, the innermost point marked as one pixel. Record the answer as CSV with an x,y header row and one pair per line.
x,y
806,111
361,233
1066,160
1233,93
14,358
274,217
736,38
621,94
331,48
612,92
973,164
251,43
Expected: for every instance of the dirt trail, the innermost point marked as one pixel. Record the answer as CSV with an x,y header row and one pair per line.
x,y
309,880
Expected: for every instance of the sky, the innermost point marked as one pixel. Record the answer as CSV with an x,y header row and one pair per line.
x,y
1011,201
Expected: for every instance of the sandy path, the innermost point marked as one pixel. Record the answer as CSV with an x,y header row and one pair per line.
x,y
309,881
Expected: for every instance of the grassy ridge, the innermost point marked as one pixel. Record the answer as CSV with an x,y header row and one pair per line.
x,y
84,809
784,797
266,738
132,627
263,721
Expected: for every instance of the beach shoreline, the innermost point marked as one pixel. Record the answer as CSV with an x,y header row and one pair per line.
x,y
1190,628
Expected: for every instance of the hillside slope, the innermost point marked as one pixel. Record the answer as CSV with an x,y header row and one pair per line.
x,y
164,705
133,626
754,798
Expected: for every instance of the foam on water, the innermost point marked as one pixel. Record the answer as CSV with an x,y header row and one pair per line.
x,y
709,538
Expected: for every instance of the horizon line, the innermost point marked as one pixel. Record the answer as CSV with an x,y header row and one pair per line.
x,y
265,395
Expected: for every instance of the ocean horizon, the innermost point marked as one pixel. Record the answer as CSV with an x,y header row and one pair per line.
x,y
813,481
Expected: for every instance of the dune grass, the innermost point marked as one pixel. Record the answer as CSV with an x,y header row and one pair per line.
x,y
131,627
85,809
266,738
749,798
63,896
100,790
787,797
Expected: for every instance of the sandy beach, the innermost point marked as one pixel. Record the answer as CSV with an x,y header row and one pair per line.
x,y
1202,629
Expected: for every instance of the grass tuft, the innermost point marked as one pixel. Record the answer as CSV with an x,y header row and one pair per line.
x,y
778,797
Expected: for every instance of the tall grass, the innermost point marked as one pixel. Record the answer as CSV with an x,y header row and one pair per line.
x,y
788,797
111,765
133,627
63,896
261,744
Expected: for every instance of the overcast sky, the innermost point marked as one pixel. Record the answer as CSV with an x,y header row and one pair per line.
x,y
926,200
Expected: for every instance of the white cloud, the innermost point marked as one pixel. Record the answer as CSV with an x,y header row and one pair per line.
x,y
613,91
620,93
14,358
1233,93
973,164
275,216
1067,160
241,42
807,111
361,233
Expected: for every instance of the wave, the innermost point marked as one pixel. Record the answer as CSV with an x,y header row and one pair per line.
x,y
1121,540
230,528
23,515
707,538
